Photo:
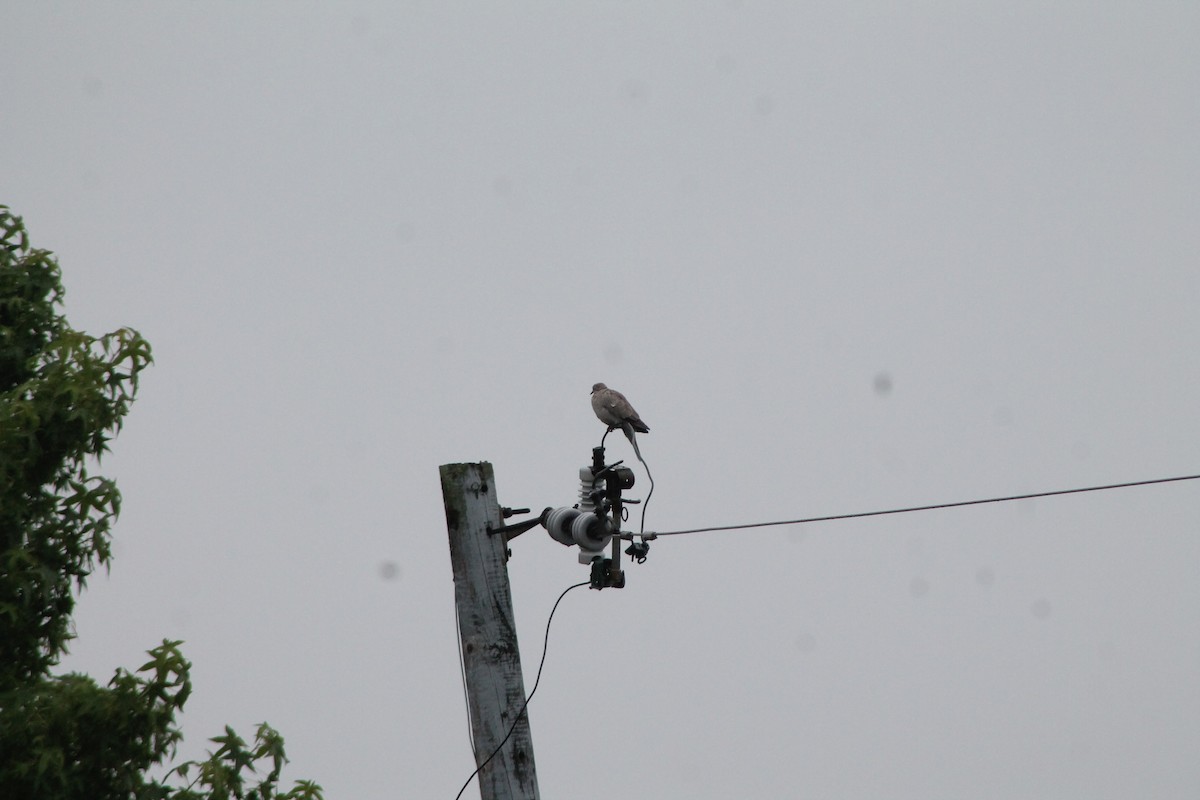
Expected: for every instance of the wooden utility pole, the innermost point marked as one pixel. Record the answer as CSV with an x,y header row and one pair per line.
x,y
488,632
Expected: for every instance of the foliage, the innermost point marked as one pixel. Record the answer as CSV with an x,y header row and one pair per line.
x,y
63,396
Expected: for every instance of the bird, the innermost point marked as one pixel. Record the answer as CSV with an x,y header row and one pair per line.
x,y
614,410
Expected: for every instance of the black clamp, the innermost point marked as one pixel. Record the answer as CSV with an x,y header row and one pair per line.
x,y
604,576
638,550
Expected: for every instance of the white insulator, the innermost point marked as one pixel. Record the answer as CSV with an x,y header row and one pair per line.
x,y
586,484
558,523
580,525
590,532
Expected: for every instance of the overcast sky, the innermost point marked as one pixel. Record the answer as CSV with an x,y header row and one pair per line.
x,y
841,257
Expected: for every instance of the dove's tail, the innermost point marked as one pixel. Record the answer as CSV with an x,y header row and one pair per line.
x,y
629,428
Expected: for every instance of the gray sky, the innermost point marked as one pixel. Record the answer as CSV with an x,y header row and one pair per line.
x,y
369,239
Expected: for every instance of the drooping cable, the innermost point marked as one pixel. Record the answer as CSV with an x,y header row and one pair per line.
x,y
649,494
525,705
462,673
928,507
637,451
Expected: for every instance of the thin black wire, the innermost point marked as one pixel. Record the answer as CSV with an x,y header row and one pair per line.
x,y
930,507
649,494
462,673
537,680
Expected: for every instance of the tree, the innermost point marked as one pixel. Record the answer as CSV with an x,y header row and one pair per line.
x,y
63,396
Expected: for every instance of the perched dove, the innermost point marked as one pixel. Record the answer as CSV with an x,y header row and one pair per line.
x,y
615,411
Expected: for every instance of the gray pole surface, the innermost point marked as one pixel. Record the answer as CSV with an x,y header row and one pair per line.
x,y
487,630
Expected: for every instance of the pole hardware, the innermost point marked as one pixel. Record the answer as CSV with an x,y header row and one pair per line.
x,y
591,524
638,550
517,528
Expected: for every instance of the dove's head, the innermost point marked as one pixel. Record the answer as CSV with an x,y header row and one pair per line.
x,y
597,387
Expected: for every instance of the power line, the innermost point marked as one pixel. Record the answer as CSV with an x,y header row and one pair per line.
x,y
650,535
649,494
536,681
637,451
462,673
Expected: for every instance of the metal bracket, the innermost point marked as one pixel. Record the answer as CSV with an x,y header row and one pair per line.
x,y
604,575
517,528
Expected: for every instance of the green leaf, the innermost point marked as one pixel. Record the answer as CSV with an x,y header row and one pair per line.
x,y
64,396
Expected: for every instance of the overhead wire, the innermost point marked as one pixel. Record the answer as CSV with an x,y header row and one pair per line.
x,y
646,503
649,494
909,509
525,705
637,451
646,535
462,673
